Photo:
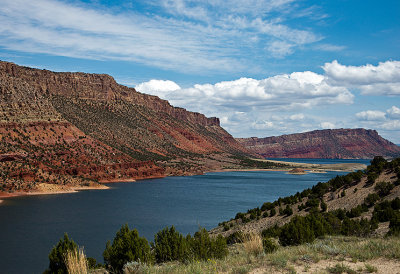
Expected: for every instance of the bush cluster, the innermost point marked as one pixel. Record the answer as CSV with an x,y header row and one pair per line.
x,y
127,246
304,229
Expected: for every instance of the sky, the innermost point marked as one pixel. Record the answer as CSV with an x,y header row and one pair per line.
x,y
264,67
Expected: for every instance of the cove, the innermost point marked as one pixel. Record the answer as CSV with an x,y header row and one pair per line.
x,y
32,225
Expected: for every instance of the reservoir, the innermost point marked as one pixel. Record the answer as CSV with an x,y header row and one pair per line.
x,y
32,225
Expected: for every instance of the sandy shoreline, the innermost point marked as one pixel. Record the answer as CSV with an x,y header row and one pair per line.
x,y
44,189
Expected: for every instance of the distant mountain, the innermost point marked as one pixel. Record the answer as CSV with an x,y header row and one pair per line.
x,y
329,143
65,128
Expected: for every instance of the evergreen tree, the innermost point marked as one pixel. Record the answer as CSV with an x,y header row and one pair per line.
x,y
58,253
127,246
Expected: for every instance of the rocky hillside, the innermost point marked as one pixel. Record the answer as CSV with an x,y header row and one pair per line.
x,y
372,195
329,143
76,128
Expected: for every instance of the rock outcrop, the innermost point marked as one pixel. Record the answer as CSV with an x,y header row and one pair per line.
x,y
330,144
74,127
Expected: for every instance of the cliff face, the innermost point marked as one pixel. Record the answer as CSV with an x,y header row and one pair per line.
x,y
57,127
329,143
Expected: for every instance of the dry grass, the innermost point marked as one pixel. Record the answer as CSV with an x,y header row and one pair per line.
x,y
252,243
76,263
323,255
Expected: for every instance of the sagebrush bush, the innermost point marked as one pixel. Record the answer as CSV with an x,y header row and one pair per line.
x,y
269,245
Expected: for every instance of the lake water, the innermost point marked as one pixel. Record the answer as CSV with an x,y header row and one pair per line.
x,y
322,161
31,226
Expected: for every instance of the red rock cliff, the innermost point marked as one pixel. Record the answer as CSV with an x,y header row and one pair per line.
x,y
329,143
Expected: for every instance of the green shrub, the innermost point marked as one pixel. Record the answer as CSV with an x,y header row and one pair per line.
x,y
371,199
272,212
58,253
235,237
127,246
312,203
269,245
296,232
384,188
394,225
324,206
288,210
202,247
267,206
271,232
169,245
396,203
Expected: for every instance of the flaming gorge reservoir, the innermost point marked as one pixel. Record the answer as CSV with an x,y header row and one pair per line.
x,y
190,136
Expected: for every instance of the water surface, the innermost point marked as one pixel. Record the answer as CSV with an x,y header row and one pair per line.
x,y
31,226
322,161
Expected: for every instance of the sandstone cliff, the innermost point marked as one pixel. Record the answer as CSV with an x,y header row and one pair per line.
x,y
330,143
62,127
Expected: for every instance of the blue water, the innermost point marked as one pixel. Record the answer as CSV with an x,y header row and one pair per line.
x,y
322,161
31,226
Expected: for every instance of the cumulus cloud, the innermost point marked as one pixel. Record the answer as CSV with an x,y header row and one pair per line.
x,y
247,104
394,112
280,92
157,87
393,125
284,103
327,125
262,125
383,79
371,115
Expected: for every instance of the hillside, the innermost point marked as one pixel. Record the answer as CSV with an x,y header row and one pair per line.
x,y
77,129
329,143
354,195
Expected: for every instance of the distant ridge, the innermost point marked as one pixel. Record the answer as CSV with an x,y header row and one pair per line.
x,y
329,144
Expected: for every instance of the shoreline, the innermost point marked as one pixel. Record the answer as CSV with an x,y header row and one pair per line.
x,y
50,189
56,190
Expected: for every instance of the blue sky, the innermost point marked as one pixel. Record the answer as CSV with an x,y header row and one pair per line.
x,y
264,67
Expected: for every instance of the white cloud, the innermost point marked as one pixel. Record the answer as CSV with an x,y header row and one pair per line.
x,y
329,47
393,125
283,103
297,117
280,49
251,105
385,72
281,92
383,79
197,36
371,115
327,125
157,87
394,112
390,89
262,125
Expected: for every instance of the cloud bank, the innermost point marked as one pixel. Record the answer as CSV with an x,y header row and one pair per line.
x,y
383,79
288,103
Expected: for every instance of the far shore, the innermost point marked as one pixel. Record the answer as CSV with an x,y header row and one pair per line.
x,y
49,189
